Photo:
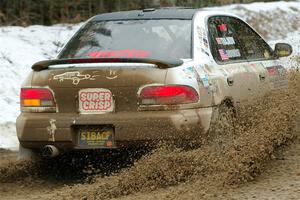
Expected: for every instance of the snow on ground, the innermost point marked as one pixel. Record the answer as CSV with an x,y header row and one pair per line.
x,y
21,47
261,6
273,20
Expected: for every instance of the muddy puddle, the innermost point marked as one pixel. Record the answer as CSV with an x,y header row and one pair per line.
x,y
167,171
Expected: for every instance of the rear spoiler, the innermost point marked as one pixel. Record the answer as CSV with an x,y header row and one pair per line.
x,y
161,64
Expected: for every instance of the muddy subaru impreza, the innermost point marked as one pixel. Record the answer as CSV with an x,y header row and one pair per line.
x,y
143,76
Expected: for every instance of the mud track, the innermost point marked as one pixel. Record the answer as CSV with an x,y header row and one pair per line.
x,y
259,160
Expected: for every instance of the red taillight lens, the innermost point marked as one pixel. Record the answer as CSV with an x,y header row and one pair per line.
x,y
168,95
36,97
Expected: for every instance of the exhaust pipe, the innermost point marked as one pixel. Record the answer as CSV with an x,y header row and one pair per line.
x,y
50,151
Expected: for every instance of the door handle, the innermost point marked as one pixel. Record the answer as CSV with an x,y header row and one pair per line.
x,y
262,77
230,81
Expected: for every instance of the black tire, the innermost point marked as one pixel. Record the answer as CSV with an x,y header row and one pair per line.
x,y
222,131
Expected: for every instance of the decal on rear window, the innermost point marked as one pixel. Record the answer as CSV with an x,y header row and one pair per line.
x,y
127,53
225,41
227,54
161,39
223,54
233,53
222,27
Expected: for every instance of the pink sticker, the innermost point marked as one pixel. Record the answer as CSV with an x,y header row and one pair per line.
x,y
127,53
272,71
222,27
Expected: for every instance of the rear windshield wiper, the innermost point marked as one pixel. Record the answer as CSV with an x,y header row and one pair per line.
x,y
160,63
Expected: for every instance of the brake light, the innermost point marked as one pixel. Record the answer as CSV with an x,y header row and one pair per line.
x,y
168,95
37,98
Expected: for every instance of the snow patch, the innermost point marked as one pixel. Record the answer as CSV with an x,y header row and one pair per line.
x,y
270,6
19,48
8,138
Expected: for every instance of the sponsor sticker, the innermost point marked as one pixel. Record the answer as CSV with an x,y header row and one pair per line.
x,y
227,54
222,27
272,71
205,80
277,76
233,53
223,54
225,41
95,100
189,72
127,53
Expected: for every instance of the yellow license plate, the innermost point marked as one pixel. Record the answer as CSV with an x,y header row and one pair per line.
x,y
96,137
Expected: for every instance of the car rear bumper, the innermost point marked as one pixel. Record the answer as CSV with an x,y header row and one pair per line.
x,y
33,129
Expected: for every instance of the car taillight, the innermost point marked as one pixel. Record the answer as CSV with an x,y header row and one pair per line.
x,y
168,95
40,99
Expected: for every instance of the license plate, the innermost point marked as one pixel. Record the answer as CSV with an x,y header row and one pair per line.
x,y
96,137
95,101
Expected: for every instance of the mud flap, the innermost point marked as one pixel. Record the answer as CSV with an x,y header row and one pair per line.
x,y
26,154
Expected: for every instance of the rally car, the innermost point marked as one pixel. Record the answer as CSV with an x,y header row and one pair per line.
x,y
144,76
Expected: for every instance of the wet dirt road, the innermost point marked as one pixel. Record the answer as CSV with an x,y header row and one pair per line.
x,y
260,160
280,180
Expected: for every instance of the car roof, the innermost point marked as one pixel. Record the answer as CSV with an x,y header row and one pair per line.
x,y
149,13
160,13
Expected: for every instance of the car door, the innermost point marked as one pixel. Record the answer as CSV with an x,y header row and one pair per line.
x,y
230,57
258,53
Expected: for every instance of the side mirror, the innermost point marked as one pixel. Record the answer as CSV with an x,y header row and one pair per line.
x,y
283,50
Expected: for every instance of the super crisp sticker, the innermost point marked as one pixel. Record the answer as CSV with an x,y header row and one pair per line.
x,y
95,100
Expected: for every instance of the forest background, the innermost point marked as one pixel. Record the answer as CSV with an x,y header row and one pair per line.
x,y
49,12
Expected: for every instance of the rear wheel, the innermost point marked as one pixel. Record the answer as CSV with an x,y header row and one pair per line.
x,y
222,132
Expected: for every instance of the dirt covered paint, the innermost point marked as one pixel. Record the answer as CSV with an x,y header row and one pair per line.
x,y
220,164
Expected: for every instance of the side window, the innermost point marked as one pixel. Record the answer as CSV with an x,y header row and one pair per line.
x,y
232,40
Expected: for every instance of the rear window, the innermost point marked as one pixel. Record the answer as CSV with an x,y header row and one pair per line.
x,y
155,39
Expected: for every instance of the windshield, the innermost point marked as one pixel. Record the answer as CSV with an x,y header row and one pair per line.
x,y
155,39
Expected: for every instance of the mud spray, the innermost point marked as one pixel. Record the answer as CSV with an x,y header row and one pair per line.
x,y
169,172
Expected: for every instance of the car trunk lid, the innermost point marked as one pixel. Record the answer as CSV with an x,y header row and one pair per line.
x,y
123,80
